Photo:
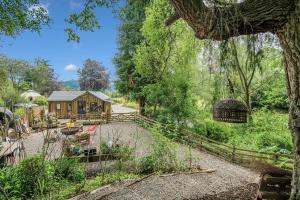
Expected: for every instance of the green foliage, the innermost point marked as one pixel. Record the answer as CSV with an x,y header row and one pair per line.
x,y
42,77
11,96
70,169
22,75
18,16
85,20
35,176
267,132
41,101
214,130
162,156
165,61
9,183
132,16
270,87
20,112
121,152
69,189
108,178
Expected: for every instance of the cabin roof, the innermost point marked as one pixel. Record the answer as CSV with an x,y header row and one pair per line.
x,y
72,95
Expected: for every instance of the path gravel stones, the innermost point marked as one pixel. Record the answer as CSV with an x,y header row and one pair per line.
x,y
226,179
116,108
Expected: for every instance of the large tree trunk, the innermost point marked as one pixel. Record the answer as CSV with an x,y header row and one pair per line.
x,y
142,104
289,37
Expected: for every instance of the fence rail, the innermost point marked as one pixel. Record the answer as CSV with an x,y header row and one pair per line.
x,y
104,118
226,151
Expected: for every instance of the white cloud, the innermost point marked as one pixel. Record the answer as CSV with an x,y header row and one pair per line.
x,y
75,4
70,67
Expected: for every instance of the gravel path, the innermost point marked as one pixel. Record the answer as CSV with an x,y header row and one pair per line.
x,y
227,177
117,108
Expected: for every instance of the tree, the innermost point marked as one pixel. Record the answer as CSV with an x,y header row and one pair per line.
x,y
129,82
165,61
42,77
281,17
17,16
15,69
93,76
241,57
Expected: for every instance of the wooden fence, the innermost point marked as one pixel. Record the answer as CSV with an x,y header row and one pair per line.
x,y
228,152
234,154
105,118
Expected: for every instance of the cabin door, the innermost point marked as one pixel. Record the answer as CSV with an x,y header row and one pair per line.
x,y
81,107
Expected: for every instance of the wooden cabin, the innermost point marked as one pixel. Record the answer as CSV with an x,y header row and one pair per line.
x,y
67,104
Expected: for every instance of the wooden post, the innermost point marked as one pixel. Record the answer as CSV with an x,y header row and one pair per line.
x,y
201,143
233,154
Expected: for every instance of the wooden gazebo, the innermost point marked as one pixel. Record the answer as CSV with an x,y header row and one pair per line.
x,y
231,111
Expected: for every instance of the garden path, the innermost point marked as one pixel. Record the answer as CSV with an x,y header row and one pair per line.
x,y
229,180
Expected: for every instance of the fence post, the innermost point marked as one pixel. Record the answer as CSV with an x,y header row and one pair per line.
x,y
201,143
233,154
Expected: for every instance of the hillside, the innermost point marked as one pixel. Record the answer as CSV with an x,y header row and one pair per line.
x,y
71,84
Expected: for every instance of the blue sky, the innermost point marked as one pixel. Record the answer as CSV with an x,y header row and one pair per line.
x,y
51,44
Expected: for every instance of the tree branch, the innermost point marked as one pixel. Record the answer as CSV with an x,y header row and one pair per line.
x,y
221,22
174,17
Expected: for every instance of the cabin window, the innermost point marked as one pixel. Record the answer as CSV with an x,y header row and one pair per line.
x,y
58,106
69,108
94,107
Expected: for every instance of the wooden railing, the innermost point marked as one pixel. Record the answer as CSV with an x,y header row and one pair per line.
x,y
105,118
228,152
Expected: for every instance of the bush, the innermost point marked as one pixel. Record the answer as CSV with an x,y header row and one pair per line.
x,y
20,112
9,183
34,176
119,151
41,101
214,130
70,169
162,157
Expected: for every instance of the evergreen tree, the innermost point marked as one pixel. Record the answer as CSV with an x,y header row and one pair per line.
x,y
129,81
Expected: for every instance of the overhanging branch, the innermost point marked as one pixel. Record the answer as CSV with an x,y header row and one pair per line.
x,y
172,19
221,22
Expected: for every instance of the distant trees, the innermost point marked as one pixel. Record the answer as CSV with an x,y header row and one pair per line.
x,y
93,76
19,75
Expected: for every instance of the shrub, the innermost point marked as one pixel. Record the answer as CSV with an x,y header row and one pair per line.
x,y
118,151
20,112
35,176
70,169
214,130
41,101
9,183
162,157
